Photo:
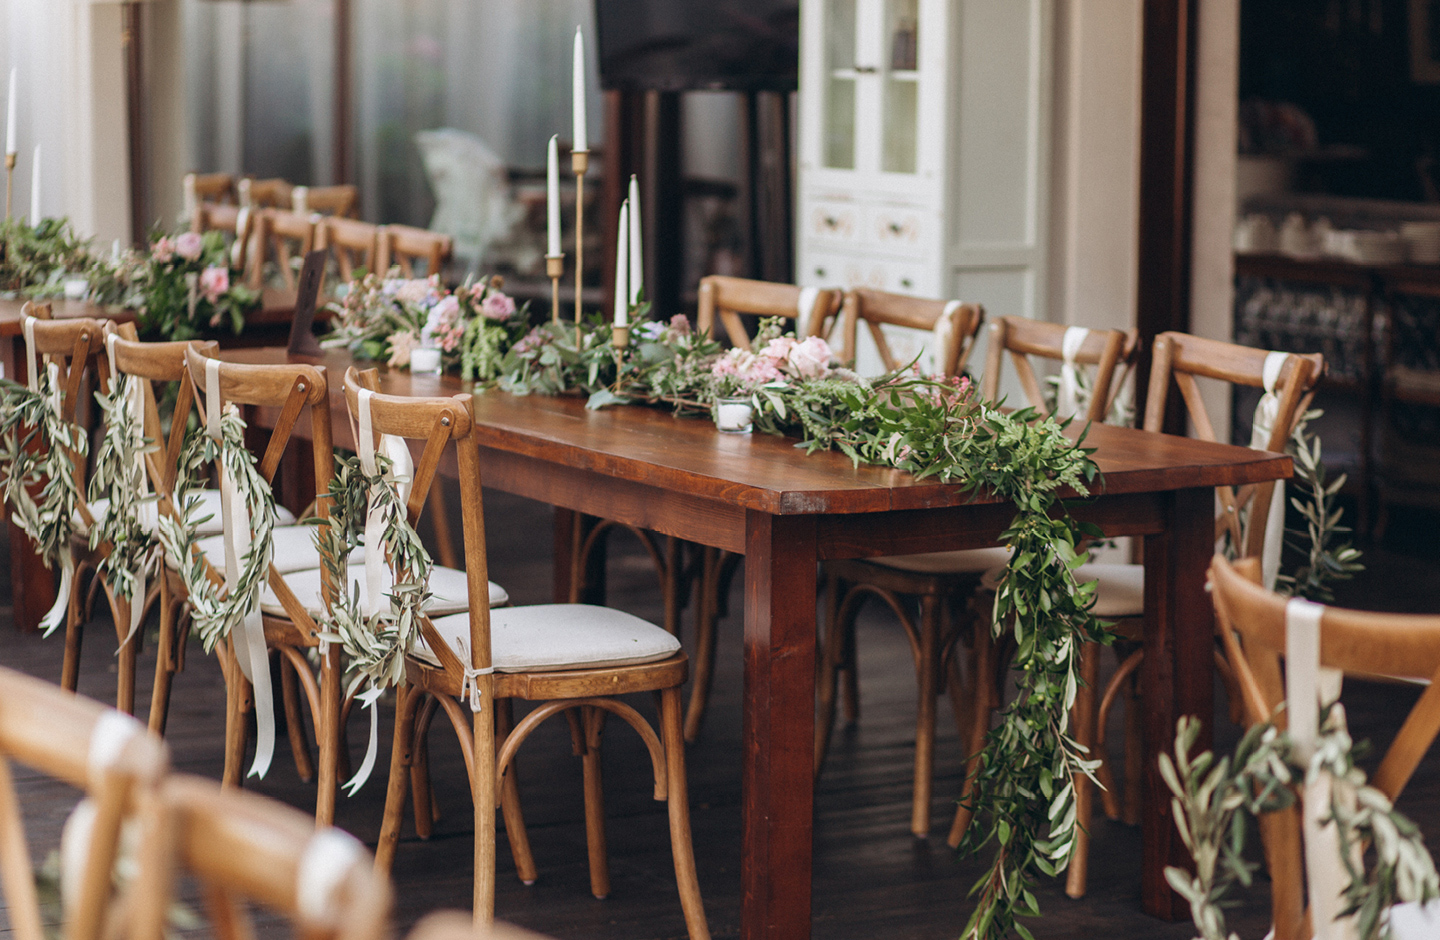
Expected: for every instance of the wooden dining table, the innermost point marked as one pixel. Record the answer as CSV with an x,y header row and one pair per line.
x,y
787,512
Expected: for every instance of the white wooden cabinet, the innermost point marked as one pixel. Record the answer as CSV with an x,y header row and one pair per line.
x,y
924,128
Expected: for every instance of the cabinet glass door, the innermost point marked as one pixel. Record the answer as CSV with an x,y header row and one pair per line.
x,y
902,86
840,76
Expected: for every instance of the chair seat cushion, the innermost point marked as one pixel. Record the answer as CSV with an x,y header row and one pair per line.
x,y
449,590
209,506
1119,593
294,549
969,561
555,637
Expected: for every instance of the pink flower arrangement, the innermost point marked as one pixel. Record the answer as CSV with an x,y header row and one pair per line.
x,y
163,251
189,246
810,358
782,357
214,282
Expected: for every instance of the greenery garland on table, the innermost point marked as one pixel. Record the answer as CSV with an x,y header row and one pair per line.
x,y
215,615
36,260
119,476
1214,800
38,448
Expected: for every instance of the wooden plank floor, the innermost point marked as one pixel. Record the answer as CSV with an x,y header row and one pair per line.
x,y
872,878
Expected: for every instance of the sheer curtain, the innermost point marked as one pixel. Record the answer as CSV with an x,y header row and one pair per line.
x,y
498,69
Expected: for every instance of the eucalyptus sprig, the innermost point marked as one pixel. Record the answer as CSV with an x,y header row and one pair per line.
x,y
213,611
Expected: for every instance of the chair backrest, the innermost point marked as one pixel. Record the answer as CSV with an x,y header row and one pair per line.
x,y
327,200
244,849
1252,624
405,245
352,244
726,298
285,238
952,325
1106,350
109,757
292,388
200,188
1180,359
273,193
238,222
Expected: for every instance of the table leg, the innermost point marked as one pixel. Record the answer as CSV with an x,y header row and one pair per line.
x,y
778,788
1177,677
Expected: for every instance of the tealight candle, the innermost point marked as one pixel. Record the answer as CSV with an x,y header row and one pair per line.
x,y
425,359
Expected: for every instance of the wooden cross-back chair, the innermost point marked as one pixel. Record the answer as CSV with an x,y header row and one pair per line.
x,y
352,244
246,850
340,200
284,239
454,925
113,762
290,599
919,588
570,658
1178,361
200,188
728,298
240,224
1252,623
954,324
272,193
407,247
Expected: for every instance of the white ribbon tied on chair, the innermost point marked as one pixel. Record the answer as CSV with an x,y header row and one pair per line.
x,y
942,337
470,684
1307,685
1266,414
108,739
327,861
805,310
56,614
402,471
1067,399
250,650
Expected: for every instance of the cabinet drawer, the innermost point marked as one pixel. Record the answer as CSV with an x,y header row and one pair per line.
x,y
833,222
899,229
847,270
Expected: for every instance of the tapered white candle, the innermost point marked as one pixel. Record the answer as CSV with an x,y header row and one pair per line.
x,y
637,256
552,198
577,96
622,267
35,189
12,143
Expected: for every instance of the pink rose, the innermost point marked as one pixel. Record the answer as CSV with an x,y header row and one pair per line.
x,y
778,348
189,245
214,281
810,359
163,251
498,306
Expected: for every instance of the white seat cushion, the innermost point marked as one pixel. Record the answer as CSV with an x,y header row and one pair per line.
x,y
554,637
450,593
294,549
1119,593
969,561
209,506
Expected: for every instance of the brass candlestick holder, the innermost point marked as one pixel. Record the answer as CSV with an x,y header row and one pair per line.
x,y
580,163
9,181
619,340
555,269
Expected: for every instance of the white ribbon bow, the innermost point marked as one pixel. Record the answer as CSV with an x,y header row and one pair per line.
x,y
1067,399
470,684
1307,686
1267,412
251,652
57,612
941,337
804,309
329,857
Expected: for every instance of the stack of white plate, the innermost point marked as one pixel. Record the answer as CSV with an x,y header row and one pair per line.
x,y
1424,241
1380,248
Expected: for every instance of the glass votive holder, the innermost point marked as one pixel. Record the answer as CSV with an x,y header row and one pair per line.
x,y
425,359
735,414
76,288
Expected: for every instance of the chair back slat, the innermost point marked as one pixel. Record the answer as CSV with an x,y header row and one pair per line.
x,y
340,200
351,243
879,308
283,238
240,224
726,298
272,193
405,245
200,188
1106,350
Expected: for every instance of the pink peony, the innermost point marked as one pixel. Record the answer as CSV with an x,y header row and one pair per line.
x,y
214,281
189,245
809,359
757,370
778,348
163,251
401,345
498,306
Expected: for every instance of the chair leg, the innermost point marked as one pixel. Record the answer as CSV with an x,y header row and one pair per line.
x,y
164,662
295,722
236,726
928,682
1083,722
327,734
681,847
593,722
70,665
406,699
1122,681
706,620
982,658
125,673
422,793
1134,754
515,832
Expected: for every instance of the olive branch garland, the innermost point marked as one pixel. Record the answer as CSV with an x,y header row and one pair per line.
x,y
119,475
376,644
38,447
215,616
1214,799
